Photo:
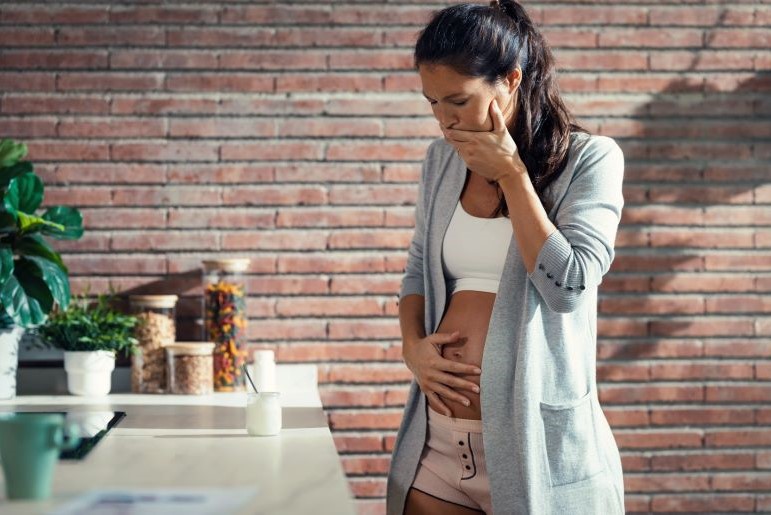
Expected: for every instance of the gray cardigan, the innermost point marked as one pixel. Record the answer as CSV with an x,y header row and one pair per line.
x,y
548,445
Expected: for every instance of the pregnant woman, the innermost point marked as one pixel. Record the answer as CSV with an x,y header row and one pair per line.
x,y
516,217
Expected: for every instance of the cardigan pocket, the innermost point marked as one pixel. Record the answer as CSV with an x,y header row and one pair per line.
x,y
571,440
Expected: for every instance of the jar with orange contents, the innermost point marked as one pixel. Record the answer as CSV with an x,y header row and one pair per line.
x,y
225,319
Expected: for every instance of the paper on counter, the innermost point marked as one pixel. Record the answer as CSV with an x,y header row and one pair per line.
x,y
178,501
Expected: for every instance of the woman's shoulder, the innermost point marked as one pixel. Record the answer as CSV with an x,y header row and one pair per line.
x,y
586,147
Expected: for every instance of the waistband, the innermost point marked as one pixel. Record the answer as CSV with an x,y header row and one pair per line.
x,y
465,425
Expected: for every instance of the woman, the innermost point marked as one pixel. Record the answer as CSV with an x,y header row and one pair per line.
x,y
516,218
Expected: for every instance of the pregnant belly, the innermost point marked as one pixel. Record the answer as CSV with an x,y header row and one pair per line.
x,y
469,313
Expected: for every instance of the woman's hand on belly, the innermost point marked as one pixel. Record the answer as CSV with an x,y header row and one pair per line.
x,y
436,375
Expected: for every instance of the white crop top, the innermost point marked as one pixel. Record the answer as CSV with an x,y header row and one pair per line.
x,y
474,251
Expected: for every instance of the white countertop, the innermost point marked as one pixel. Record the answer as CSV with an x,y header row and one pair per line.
x,y
175,441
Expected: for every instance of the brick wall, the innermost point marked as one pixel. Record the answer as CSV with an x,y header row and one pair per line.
x,y
293,133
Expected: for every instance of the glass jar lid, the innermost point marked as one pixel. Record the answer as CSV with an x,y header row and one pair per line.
x,y
227,265
153,301
191,348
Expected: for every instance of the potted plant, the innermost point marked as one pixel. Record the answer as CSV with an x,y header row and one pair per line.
x,y
90,336
33,278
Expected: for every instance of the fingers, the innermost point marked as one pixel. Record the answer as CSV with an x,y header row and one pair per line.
x,y
443,338
456,382
436,402
449,393
458,368
499,123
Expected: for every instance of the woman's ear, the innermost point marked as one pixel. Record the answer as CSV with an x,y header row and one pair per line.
x,y
513,79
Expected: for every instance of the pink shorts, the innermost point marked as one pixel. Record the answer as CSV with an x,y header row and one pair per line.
x,y
452,465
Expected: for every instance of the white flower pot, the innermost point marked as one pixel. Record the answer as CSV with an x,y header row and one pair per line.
x,y
9,360
89,372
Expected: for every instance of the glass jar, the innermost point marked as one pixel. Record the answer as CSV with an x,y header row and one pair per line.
x,y
225,319
190,367
156,329
263,413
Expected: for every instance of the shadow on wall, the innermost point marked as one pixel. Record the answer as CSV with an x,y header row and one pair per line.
x,y
701,153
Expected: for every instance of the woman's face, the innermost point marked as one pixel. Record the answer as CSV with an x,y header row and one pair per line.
x,y
463,102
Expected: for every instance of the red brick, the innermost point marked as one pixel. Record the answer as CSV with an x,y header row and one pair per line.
x,y
221,128
328,83
269,151
702,503
650,37
696,371
347,442
27,81
166,14
220,82
40,104
47,59
166,151
21,127
302,352
352,398
276,15
358,419
350,306
739,393
673,416
105,128
340,217
365,465
26,36
43,13
659,439
273,60
110,36
108,81
737,437
614,394
365,330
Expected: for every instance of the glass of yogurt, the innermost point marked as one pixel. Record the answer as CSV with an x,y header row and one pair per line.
x,y
263,413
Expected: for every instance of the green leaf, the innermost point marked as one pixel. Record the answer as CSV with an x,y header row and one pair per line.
x,y
68,217
30,192
31,223
26,297
56,280
9,172
6,263
26,192
11,198
11,152
33,245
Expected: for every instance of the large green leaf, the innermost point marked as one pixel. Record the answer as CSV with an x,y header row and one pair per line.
x,y
6,263
33,245
11,152
9,172
26,297
68,217
25,193
53,276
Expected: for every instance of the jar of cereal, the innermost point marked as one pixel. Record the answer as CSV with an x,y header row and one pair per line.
x,y
225,319
190,367
155,329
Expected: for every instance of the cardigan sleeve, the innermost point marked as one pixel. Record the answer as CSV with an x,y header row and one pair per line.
x,y
412,281
574,258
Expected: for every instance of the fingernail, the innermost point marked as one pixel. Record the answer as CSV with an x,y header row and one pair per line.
x,y
478,370
476,389
466,403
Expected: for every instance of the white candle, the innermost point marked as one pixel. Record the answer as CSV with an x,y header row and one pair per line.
x,y
263,413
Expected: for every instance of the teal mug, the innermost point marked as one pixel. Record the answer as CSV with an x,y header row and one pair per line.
x,y
29,448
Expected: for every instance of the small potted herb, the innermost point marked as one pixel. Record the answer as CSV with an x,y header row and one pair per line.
x,y
90,336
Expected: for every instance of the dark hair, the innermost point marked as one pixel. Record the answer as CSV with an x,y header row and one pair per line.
x,y
490,42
